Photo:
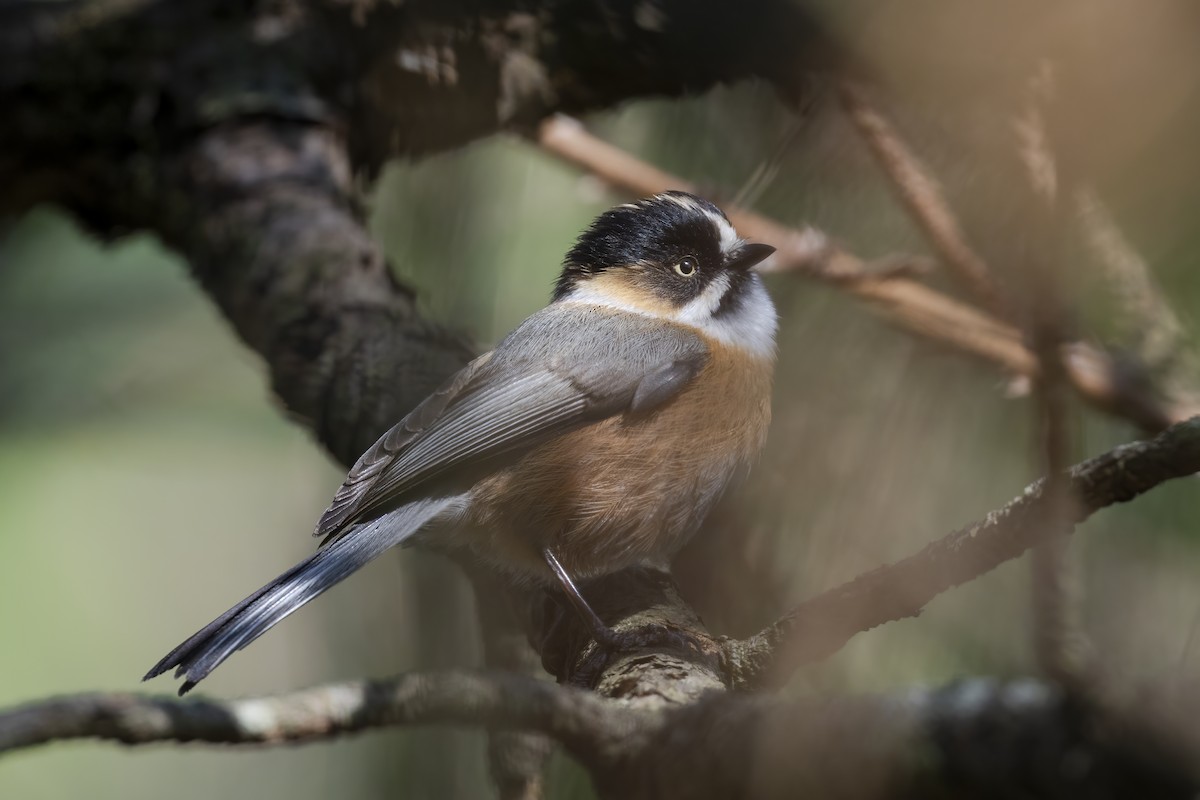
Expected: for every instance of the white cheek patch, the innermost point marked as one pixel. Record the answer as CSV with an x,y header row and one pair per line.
x,y
700,309
750,326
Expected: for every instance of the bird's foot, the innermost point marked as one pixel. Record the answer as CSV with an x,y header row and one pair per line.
x,y
652,635
611,645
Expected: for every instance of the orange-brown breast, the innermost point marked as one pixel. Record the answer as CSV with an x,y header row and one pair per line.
x,y
629,489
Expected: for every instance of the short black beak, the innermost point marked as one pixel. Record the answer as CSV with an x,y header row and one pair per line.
x,y
748,255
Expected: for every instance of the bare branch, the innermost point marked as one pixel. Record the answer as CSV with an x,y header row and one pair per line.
x,y
820,626
580,720
1060,645
921,195
909,305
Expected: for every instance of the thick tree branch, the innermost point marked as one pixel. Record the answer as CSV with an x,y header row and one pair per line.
x,y
263,213
509,65
90,82
820,626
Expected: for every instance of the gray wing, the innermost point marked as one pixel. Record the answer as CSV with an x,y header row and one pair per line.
x,y
344,507
566,366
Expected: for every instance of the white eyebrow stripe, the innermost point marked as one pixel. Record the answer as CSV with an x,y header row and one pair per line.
x,y
729,238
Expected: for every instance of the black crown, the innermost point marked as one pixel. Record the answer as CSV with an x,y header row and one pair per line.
x,y
658,230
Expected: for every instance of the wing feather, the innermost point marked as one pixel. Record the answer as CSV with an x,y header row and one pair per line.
x,y
343,508
509,401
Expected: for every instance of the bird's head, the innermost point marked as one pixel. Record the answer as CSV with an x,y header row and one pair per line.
x,y
674,256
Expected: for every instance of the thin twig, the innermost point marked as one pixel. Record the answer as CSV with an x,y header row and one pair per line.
x,y
819,627
921,195
911,306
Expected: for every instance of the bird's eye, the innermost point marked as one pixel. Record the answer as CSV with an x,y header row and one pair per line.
x,y
686,267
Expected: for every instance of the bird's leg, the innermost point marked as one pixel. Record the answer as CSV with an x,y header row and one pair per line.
x,y
608,641
603,634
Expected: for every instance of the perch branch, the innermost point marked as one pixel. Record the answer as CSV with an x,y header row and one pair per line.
x,y
820,626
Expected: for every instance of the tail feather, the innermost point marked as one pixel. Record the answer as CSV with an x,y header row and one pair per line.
x,y
252,617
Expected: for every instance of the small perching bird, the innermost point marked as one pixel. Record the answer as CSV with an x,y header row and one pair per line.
x,y
596,436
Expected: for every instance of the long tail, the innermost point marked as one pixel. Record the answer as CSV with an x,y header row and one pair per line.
x,y
239,626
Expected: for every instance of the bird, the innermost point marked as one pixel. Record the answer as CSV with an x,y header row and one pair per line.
x,y
594,437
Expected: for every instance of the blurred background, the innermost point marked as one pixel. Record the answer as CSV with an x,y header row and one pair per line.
x,y
148,480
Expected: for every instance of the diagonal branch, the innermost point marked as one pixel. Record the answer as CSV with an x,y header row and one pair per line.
x,y
921,195
819,627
